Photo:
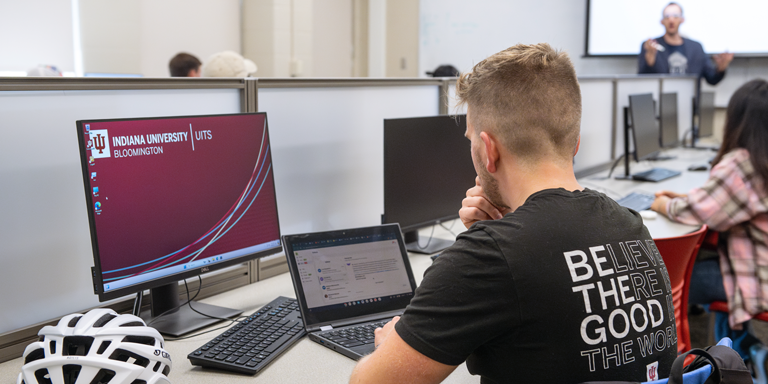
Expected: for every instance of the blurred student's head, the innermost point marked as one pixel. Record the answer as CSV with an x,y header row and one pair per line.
x,y
746,125
184,65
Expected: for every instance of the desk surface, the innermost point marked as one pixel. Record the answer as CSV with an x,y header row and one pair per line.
x,y
305,362
308,362
660,227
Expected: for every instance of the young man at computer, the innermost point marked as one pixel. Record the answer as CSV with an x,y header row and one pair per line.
x,y
551,283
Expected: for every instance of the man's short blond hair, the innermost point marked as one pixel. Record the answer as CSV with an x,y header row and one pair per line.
x,y
528,96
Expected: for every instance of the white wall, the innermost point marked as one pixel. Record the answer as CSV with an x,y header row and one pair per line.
x,y
36,32
332,38
463,32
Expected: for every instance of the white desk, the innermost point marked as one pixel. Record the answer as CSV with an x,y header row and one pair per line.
x,y
660,227
305,362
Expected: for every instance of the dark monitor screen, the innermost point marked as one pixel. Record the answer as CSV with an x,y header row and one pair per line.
x,y
170,198
427,171
668,120
644,127
706,114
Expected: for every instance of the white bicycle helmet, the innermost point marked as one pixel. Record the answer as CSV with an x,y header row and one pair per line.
x,y
99,347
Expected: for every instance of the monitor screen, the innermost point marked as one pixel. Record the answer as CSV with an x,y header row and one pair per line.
x,y
644,127
668,120
170,198
706,114
427,171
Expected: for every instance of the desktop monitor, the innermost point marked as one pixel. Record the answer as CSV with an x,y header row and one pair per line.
x,y
427,171
645,131
706,114
173,197
668,120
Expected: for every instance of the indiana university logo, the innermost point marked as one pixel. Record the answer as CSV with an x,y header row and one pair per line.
x,y
99,143
652,371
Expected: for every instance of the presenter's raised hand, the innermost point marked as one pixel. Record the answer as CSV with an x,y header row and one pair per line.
x,y
650,51
722,61
476,207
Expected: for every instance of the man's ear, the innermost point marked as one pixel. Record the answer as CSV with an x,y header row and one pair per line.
x,y
578,143
491,151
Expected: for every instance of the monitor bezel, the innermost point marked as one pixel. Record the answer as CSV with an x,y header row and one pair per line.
x,y
632,112
98,281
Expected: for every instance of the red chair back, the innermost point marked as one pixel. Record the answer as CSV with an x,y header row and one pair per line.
x,y
679,254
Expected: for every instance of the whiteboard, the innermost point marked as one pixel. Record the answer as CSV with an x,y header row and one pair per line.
x,y
45,245
328,150
618,27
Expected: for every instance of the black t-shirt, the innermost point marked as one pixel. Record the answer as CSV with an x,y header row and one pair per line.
x,y
566,289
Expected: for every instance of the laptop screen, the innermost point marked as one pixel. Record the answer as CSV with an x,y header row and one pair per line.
x,y
346,274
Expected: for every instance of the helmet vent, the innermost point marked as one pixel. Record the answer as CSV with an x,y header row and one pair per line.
x,y
137,381
103,320
42,376
53,347
166,370
129,357
71,372
76,345
146,340
103,346
73,321
133,324
103,377
156,367
37,354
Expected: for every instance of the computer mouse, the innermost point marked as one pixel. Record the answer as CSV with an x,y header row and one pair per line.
x,y
698,167
648,215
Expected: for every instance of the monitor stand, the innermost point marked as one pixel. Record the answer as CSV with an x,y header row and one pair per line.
x,y
183,319
423,244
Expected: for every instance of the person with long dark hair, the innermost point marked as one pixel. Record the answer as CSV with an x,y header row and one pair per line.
x,y
733,202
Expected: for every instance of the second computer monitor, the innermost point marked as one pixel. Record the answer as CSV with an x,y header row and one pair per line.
x,y
668,120
427,171
645,130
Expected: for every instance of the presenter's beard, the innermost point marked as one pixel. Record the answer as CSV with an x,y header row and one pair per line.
x,y
490,186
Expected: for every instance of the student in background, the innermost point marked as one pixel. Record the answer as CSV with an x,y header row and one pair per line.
x,y
673,53
184,65
228,64
734,202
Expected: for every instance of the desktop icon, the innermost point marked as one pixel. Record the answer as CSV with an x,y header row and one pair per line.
x,y
93,176
87,128
97,207
92,160
95,191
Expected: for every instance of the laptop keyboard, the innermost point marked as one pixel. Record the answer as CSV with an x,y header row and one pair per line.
x,y
655,174
353,336
637,201
253,343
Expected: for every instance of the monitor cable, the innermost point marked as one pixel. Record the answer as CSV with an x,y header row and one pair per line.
x,y
613,166
428,241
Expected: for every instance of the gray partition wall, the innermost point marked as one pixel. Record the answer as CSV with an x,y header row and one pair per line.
x,y
326,137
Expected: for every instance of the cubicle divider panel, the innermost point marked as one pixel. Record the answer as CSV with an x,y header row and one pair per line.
x,y
631,86
45,245
686,91
596,124
327,148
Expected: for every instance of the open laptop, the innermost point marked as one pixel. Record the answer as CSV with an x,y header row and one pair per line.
x,y
348,282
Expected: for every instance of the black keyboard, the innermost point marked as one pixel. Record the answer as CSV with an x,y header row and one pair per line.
x,y
637,201
353,336
655,174
253,343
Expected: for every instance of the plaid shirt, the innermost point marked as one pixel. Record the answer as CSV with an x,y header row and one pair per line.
x,y
734,202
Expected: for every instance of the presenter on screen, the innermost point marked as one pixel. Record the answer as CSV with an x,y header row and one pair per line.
x,y
538,289
675,54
